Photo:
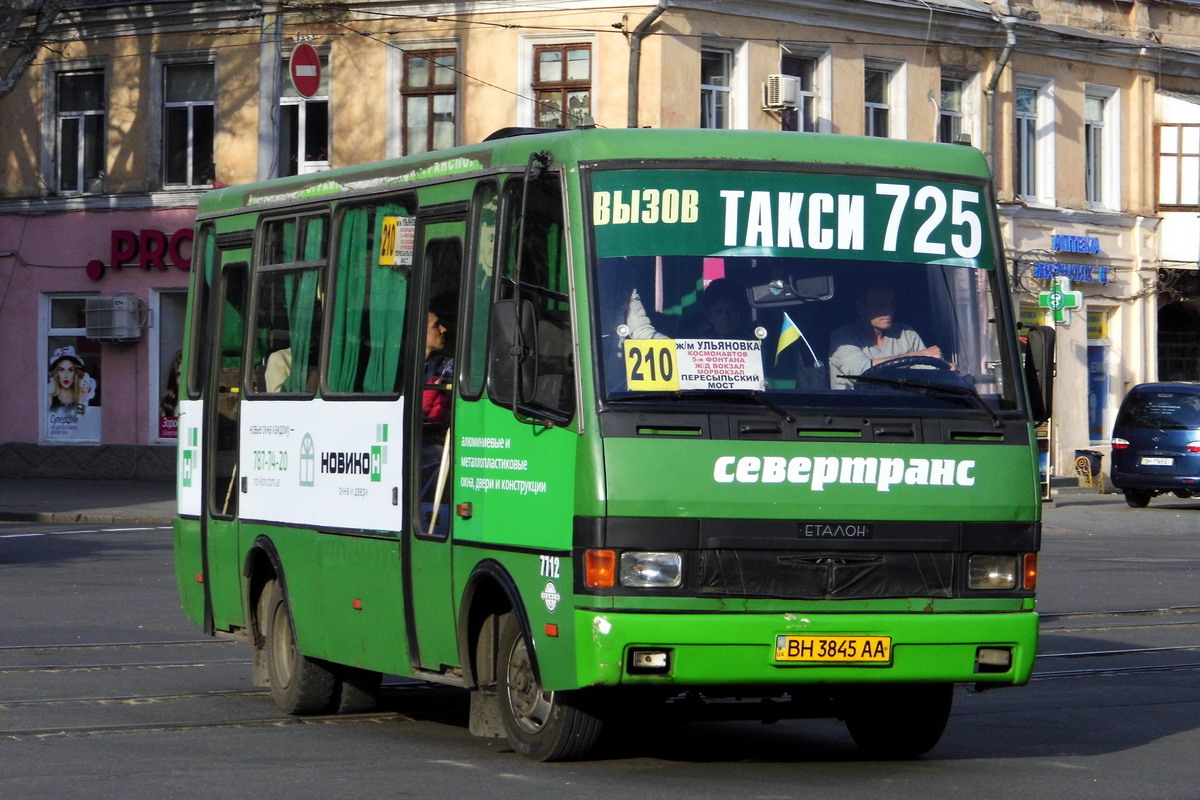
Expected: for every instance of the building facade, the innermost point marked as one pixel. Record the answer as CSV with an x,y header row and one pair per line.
x,y
131,110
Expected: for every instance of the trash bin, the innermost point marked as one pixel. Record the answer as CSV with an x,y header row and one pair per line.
x,y
1088,465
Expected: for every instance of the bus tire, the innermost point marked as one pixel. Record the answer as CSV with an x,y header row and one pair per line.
x,y
540,725
357,690
299,684
899,722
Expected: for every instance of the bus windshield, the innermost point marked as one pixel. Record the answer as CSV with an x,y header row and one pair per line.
x,y
802,289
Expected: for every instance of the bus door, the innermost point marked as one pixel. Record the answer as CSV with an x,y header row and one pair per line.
x,y
430,521
220,448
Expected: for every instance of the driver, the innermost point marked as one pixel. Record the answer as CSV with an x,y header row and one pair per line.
x,y
874,339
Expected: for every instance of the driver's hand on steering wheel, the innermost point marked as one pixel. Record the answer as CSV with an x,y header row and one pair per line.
x,y
935,352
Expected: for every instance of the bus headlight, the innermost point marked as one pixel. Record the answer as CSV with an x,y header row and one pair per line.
x,y
651,570
992,572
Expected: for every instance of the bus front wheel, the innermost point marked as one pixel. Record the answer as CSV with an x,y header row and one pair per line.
x,y
299,684
899,722
541,725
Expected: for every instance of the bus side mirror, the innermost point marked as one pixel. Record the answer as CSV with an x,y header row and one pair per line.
x,y
512,345
1039,370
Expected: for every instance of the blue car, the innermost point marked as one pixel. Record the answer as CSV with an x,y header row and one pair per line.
x,y
1156,442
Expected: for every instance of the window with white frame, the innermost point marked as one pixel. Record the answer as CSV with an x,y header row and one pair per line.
x,y
950,110
304,126
1033,141
430,100
805,116
80,135
1101,151
562,84
189,93
716,75
1179,165
877,107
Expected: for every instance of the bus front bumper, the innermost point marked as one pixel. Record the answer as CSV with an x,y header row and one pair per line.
x,y
712,650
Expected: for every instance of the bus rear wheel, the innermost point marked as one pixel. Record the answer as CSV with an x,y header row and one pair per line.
x,y
541,725
299,684
899,722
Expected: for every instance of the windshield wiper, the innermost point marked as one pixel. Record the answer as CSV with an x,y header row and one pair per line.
x,y
950,390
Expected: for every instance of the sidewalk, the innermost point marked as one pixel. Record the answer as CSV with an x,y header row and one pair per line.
x,y
89,501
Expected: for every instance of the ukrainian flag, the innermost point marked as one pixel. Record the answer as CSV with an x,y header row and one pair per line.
x,y
788,334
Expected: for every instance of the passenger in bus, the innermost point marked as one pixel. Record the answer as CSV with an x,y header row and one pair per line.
x,y
279,367
439,372
637,324
875,338
723,314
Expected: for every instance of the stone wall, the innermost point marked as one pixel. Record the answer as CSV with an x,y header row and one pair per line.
x,y
106,462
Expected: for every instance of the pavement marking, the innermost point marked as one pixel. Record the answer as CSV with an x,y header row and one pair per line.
x,y
83,530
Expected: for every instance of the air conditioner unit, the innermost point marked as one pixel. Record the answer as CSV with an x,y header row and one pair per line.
x,y
781,91
115,319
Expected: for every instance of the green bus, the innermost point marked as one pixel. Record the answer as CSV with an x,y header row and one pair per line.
x,y
600,425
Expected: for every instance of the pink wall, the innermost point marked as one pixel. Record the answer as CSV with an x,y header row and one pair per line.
x,y
50,253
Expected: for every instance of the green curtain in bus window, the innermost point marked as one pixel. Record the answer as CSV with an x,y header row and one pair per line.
x,y
300,292
386,310
350,287
314,239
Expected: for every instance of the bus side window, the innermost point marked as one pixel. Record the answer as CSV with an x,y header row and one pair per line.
x,y
544,282
370,301
288,306
483,232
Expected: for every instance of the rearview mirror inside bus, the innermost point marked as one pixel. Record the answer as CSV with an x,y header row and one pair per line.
x,y
790,290
511,347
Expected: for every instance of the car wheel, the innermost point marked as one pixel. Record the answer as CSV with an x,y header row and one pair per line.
x,y
1137,498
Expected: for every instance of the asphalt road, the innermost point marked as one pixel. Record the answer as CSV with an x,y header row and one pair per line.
x,y
107,692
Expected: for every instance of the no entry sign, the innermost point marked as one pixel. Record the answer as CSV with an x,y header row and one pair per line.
x,y
305,66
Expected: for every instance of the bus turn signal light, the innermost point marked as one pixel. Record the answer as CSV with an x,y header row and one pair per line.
x,y
600,569
1029,571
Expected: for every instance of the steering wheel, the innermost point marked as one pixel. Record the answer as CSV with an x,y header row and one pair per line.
x,y
904,362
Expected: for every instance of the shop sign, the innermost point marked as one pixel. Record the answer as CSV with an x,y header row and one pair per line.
x,y
1083,273
1062,243
145,249
1061,300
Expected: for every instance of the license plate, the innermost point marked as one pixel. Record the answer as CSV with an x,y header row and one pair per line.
x,y
833,649
1157,461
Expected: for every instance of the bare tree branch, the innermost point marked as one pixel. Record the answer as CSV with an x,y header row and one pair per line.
x,y
23,28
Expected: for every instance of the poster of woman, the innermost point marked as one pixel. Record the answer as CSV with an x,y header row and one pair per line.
x,y
70,392
168,406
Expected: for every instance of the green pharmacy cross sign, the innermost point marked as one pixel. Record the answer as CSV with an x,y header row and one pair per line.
x,y
1061,300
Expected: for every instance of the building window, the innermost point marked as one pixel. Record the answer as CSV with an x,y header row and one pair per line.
x,y
950,110
1179,165
562,84
877,108
304,126
81,151
1101,152
804,116
716,69
1033,156
72,398
1093,146
430,95
188,98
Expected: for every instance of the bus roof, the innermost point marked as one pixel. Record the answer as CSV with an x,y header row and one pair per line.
x,y
602,144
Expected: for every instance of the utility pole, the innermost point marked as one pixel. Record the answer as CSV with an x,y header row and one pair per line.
x,y
270,61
